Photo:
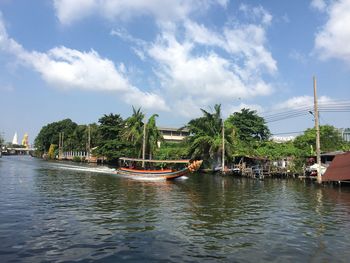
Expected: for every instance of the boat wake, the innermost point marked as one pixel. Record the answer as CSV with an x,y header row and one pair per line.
x,y
106,170
111,171
103,170
144,178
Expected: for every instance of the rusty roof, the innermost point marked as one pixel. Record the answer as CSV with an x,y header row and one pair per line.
x,y
339,168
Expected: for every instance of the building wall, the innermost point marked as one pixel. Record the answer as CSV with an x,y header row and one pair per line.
x,y
173,134
345,132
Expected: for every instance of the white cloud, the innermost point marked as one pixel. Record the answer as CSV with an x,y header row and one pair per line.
x,y
334,38
206,77
301,102
256,13
237,108
192,71
67,68
249,41
69,11
319,5
199,76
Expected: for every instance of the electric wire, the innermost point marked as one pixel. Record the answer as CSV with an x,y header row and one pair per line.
x,y
333,107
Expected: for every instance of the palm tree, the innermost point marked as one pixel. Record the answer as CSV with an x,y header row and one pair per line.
x,y
206,136
133,131
153,135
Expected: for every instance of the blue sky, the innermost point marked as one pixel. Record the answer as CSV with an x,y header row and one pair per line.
x,y
85,58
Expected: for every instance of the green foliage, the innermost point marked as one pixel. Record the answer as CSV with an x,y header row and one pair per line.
x,y
246,134
249,126
276,151
330,140
76,159
49,134
173,150
153,135
205,141
111,143
133,131
346,146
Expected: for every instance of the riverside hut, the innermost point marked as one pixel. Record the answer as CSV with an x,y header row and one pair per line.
x,y
339,169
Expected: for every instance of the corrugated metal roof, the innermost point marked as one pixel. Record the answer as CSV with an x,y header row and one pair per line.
x,y
339,168
172,129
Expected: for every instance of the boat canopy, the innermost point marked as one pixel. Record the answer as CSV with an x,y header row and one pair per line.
x,y
152,161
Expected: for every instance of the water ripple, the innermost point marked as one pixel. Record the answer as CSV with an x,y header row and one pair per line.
x,y
61,212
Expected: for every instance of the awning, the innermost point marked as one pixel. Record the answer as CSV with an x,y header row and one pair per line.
x,y
153,161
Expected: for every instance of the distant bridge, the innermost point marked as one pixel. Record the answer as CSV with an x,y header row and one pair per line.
x,y
17,151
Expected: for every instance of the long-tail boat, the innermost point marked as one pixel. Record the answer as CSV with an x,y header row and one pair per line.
x,y
168,174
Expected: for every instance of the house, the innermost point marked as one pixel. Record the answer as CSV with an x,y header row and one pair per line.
x,y
173,134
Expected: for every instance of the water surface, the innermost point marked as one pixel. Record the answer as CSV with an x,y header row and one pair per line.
x,y
59,212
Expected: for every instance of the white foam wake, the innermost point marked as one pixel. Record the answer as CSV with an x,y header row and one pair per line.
x,y
103,169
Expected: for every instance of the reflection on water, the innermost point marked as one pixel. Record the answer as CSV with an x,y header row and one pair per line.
x,y
63,212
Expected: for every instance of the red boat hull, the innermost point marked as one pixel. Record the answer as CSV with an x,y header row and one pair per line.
x,y
166,174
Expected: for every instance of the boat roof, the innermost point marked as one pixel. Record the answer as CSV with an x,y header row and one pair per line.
x,y
153,161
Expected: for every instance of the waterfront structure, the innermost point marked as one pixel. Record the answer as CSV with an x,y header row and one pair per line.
x,y
173,134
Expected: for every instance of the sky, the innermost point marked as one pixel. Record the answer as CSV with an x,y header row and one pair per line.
x,y
82,59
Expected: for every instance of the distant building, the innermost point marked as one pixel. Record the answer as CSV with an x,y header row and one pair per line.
x,y
281,139
345,133
173,134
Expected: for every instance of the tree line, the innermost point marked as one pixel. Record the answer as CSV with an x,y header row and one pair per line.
x,y
245,134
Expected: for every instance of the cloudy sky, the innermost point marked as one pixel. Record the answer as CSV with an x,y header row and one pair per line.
x,y
84,58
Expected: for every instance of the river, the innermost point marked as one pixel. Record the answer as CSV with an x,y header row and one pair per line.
x,y
57,212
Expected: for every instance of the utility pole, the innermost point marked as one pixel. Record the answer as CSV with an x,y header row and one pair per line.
x,y
62,136
59,146
144,144
89,142
317,127
223,147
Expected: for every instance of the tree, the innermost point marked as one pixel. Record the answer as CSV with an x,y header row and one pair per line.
x,y
153,135
275,151
330,140
133,131
249,126
49,134
205,141
112,144
172,150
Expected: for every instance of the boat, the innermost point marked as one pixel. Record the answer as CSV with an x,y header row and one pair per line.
x,y
129,169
